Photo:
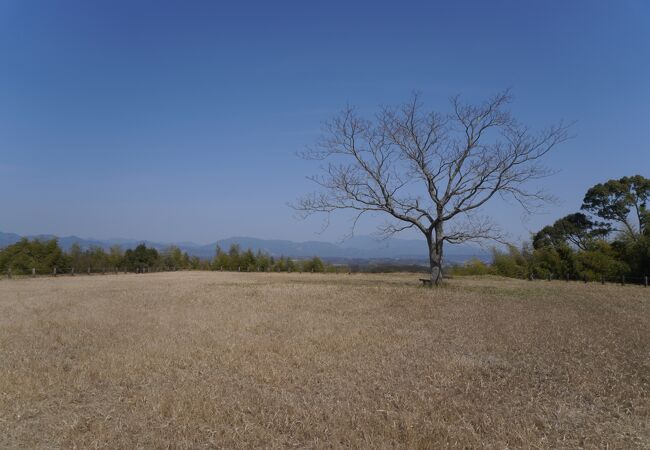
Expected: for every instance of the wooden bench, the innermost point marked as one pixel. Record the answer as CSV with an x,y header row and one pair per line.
x,y
425,281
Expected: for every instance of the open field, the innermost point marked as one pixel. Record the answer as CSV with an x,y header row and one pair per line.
x,y
199,359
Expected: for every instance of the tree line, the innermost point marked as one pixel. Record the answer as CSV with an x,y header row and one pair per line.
x,y
45,255
607,239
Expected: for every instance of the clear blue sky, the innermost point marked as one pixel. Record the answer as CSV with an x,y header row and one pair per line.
x,y
180,121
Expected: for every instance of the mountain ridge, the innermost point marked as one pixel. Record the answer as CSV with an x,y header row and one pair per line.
x,y
355,248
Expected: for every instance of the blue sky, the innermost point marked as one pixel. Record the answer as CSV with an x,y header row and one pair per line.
x,y
181,121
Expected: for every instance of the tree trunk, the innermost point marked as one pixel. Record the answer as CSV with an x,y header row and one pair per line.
x,y
435,241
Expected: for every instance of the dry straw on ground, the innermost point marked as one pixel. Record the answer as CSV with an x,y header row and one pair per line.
x,y
195,360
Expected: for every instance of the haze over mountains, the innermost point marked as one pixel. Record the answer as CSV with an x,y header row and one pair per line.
x,y
355,248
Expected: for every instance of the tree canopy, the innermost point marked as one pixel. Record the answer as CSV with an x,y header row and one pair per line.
x,y
622,202
574,229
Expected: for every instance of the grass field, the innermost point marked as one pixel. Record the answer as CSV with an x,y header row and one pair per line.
x,y
197,359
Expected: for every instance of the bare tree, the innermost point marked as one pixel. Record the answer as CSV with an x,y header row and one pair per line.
x,y
430,171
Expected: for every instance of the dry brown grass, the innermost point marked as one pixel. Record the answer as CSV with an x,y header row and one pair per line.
x,y
187,360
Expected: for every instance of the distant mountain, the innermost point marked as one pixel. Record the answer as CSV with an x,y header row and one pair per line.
x,y
8,239
358,248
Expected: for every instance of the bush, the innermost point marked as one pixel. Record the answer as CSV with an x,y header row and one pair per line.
x,y
473,267
511,264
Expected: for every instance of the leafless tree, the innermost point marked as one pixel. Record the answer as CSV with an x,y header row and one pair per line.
x,y
430,171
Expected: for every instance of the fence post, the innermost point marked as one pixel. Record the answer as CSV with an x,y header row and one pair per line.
x,y
34,272
54,271
9,273
622,280
72,271
549,277
645,281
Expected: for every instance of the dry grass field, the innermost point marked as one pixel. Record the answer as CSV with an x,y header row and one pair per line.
x,y
211,360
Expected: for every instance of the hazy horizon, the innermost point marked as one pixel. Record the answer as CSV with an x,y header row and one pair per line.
x,y
176,122
222,238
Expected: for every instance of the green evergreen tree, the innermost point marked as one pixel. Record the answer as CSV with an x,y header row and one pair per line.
x,y
234,257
